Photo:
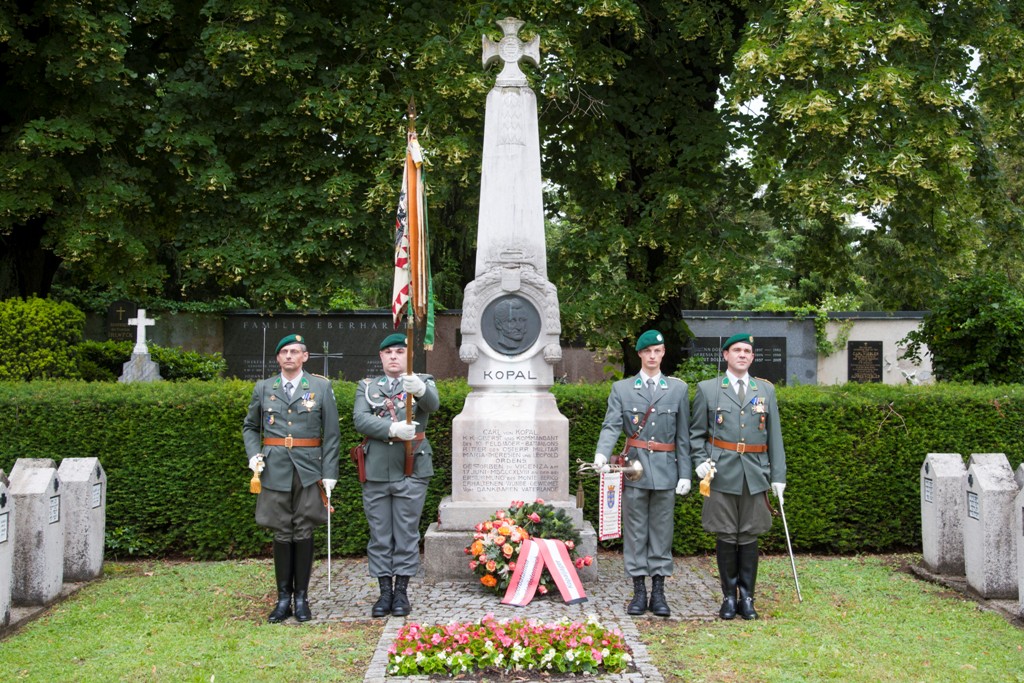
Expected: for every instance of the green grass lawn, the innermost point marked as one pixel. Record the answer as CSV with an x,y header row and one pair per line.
x,y
862,619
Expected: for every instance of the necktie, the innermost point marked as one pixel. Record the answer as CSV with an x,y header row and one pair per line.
x,y
394,386
650,388
740,392
288,390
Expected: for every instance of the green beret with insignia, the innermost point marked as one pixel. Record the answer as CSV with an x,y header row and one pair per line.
x,y
737,338
396,339
649,338
290,339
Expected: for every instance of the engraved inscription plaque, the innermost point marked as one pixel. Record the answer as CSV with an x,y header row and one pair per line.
x,y
973,506
519,462
97,494
928,487
3,527
864,361
54,509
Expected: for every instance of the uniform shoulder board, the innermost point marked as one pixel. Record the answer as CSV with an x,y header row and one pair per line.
x,y
320,376
762,379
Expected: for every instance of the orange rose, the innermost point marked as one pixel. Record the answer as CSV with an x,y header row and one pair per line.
x,y
507,549
476,548
491,565
489,581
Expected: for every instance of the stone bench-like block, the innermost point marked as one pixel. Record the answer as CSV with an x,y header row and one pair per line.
x,y
942,535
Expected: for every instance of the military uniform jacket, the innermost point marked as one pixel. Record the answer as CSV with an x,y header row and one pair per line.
x,y
628,402
310,414
385,458
717,413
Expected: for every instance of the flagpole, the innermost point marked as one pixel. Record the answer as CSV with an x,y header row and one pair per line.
x,y
412,193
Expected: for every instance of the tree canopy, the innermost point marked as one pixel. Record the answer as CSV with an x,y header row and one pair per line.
x,y
697,152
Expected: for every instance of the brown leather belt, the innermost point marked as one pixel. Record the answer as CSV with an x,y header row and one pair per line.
x,y
741,447
650,445
291,442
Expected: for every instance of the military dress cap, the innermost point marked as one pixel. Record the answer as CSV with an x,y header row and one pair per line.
x,y
736,339
290,339
649,338
396,339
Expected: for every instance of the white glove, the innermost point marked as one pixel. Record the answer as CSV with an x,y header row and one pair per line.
x,y
402,430
777,488
328,485
704,468
414,385
256,463
683,487
602,462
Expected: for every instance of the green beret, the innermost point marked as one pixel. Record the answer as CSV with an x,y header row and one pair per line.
x,y
737,338
396,339
649,338
290,339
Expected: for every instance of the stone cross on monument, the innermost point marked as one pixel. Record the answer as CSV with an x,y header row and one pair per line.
x,y
140,323
510,442
140,368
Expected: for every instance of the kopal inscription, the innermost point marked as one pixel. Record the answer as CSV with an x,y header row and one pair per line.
x,y
510,461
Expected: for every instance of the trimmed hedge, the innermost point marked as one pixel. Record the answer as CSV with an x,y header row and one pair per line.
x,y
178,481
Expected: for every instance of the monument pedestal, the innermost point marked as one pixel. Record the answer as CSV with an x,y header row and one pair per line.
x,y
139,369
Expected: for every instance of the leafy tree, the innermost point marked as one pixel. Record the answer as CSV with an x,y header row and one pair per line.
x,y
898,111
975,332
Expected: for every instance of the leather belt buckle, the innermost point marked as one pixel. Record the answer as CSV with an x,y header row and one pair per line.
x,y
650,445
288,441
740,447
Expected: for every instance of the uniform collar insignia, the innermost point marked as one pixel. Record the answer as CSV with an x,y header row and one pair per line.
x,y
639,383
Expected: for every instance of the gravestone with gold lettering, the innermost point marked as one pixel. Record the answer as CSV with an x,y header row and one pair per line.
x,y
510,442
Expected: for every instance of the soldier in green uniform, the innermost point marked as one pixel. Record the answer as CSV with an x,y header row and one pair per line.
x,y
291,434
653,411
392,500
735,432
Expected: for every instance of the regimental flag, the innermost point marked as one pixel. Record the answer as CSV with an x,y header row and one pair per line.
x,y
412,291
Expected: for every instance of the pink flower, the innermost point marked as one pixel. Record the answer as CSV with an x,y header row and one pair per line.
x,y
588,560
473,564
570,544
539,501
535,518
542,589
579,563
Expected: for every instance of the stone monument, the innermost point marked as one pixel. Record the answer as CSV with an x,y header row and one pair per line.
x,y
140,368
942,532
38,565
510,442
85,510
990,553
6,550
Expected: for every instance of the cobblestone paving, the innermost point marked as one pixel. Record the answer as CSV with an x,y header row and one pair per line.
x,y
692,592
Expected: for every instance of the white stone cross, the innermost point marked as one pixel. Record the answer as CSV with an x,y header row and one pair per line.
x,y
510,49
141,322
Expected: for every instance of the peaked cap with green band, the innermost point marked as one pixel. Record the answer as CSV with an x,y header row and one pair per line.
x,y
736,339
396,339
290,339
649,338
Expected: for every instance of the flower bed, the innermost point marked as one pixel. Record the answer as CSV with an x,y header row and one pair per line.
x,y
507,647
497,542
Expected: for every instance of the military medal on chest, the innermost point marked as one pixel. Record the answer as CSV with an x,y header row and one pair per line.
x,y
308,400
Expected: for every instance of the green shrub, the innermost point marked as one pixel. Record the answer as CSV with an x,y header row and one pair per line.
x,y
38,337
178,483
104,361
974,332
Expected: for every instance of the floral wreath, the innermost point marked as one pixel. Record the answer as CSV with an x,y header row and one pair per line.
x,y
497,542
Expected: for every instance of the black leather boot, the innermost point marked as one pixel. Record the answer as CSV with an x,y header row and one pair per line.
x,y
747,559
400,606
303,568
727,572
284,574
382,607
638,605
659,605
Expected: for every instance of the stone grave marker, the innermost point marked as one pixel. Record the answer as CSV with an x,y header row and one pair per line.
x,y
118,315
6,549
140,368
942,535
38,565
84,485
864,361
990,554
1018,533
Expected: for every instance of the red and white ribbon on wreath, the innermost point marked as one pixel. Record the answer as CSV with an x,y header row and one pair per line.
x,y
534,555
610,506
